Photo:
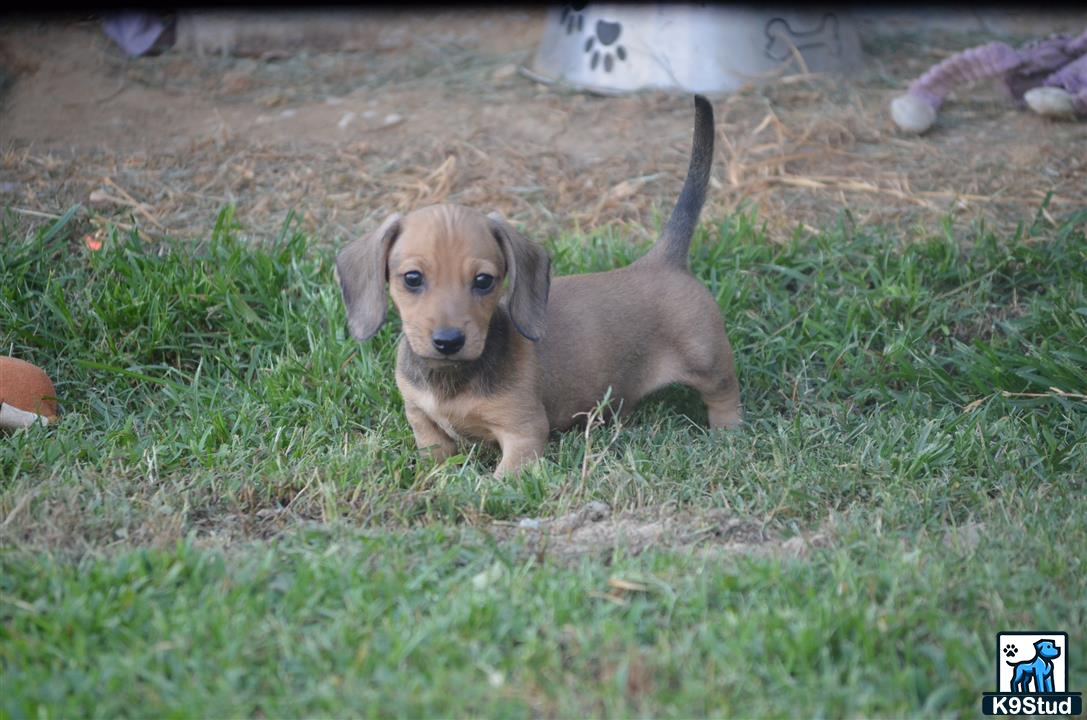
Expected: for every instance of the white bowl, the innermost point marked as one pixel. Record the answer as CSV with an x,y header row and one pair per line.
x,y
615,49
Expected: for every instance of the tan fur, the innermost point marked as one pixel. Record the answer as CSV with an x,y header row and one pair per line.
x,y
514,418
533,360
450,246
636,329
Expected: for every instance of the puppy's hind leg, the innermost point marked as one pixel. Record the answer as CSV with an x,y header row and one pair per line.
x,y
716,383
723,403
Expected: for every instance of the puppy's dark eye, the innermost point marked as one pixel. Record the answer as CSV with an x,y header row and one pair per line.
x,y
413,279
483,282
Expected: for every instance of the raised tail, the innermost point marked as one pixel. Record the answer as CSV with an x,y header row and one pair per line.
x,y
675,241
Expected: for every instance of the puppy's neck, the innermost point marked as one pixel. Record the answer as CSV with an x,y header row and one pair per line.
x,y
482,376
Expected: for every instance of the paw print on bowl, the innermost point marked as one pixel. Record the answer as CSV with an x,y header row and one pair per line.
x,y
1009,651
601,43
572,18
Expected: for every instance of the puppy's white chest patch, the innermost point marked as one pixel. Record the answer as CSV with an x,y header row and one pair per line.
x,y
429,406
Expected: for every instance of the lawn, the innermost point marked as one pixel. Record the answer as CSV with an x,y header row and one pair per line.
x,y
230,519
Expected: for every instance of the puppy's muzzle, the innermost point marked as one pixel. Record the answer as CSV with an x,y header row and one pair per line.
x,y
447,341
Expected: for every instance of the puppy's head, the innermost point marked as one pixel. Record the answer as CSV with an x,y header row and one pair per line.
x,y
447,267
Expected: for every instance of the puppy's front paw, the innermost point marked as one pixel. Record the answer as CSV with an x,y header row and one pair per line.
x,y
437,451
508,468
514,462
523,446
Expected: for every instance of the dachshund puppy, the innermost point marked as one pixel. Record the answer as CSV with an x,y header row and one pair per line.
x,y
493,350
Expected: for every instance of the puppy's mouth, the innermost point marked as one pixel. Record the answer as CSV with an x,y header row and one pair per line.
x,y
423,347
435,360
444,361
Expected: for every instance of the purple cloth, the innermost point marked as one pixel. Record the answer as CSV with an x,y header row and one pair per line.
x,y
1072,77
1056,61
134,32
968,66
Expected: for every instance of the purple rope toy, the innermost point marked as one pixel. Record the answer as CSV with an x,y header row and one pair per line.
x,y
1049,76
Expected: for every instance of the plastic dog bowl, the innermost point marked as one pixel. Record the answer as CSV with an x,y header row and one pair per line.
x,y
614,49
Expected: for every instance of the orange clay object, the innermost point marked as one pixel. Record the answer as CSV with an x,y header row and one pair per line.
x,y
25,388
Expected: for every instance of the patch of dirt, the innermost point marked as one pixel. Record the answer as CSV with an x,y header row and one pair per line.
x,y
594,532
429,108
71,521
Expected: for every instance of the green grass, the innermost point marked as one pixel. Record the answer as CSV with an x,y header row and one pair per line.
x,y
230,519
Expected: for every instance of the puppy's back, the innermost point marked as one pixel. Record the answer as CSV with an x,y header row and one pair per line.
x,y
622,328
633,328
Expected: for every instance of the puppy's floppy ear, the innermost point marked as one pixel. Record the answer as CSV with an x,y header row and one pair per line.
x,y
529,270
362,267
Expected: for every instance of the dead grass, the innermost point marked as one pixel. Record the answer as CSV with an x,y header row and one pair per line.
x,y
593,531
802,148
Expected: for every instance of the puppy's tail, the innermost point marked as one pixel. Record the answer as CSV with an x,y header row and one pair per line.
x,y
675,241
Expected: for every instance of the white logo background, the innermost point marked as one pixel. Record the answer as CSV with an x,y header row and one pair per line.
x,y
1024,652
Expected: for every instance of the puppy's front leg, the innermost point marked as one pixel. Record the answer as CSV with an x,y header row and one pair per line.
x,y
521,443
432,441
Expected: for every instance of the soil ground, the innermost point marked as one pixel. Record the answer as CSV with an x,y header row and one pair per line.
x,y
430,107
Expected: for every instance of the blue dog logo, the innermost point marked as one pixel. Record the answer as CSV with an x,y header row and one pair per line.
x,y
1037,670
1038,686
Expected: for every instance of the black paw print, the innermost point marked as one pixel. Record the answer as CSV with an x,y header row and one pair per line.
x,y
572,18
1009,651
607,34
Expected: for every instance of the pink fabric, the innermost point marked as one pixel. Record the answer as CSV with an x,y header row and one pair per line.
x,y
969,66
1072,77
1056,61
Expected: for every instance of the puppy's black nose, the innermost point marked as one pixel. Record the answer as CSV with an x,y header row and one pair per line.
x,y
447,340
